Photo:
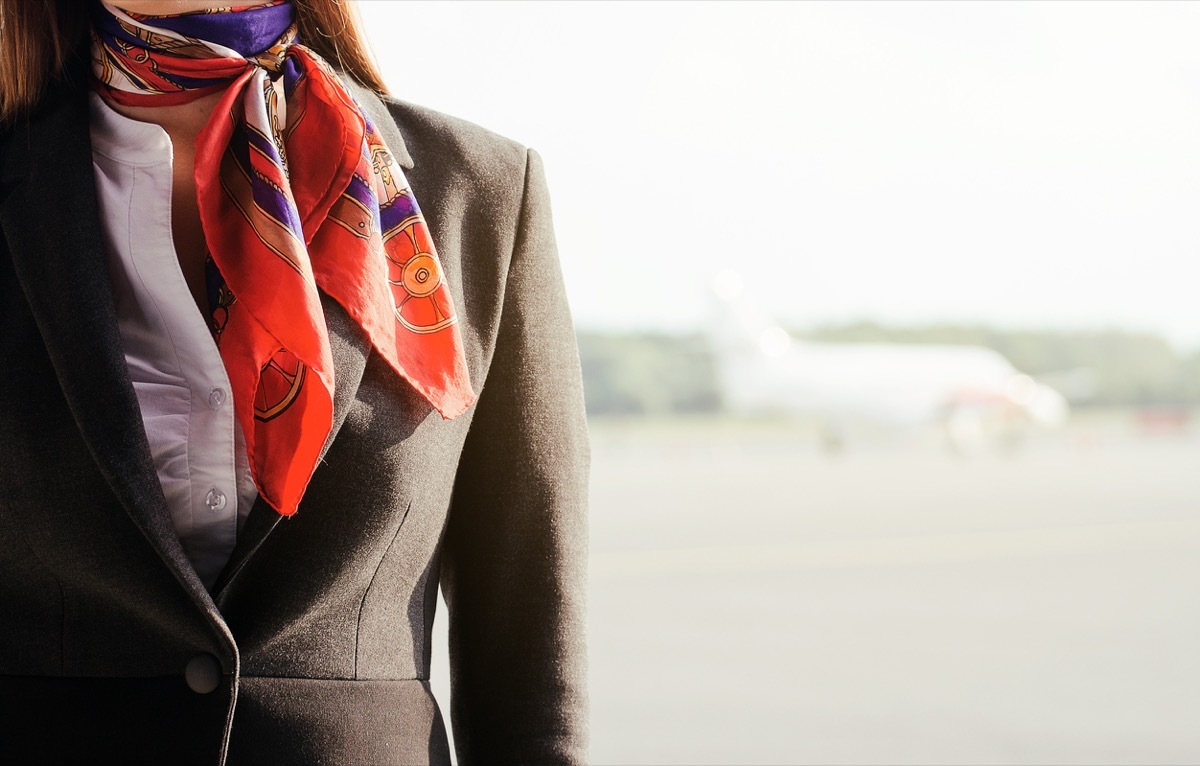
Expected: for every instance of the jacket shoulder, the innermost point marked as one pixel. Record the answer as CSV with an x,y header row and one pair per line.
x,y
464,151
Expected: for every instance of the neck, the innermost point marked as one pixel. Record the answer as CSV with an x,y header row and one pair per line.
x,y
167,7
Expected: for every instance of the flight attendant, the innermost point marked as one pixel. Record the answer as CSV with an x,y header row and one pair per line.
x,y
280,355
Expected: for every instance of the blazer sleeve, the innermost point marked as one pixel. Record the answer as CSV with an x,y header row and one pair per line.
x,y
514,556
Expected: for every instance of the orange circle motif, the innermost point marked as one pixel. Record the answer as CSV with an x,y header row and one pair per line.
x,y
421,293
421,275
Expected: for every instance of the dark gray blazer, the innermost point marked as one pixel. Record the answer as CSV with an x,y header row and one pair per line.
x,y
314,646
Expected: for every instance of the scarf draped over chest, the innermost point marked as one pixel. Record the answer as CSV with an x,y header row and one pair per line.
x,y
297,192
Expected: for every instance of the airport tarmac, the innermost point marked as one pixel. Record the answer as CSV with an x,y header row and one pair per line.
x,y
755,601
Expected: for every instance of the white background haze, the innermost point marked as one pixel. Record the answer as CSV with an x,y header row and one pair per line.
x,y
1024,164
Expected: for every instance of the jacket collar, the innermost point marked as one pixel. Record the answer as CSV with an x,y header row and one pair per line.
x,y
382,119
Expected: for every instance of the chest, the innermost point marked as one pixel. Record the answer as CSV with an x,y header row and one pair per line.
x,y
186,233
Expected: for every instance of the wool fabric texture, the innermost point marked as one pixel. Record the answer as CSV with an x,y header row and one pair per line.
x,y
297,192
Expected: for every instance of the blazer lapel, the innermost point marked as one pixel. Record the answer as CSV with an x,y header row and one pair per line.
x,y
378,112
50,220
350,348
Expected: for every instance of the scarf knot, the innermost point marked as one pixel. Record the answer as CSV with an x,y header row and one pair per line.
x,y
273,58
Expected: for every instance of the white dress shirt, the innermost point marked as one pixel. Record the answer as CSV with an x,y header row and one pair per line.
x,y
178,376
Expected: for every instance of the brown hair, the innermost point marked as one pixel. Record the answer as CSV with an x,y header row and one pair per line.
x,y
38,37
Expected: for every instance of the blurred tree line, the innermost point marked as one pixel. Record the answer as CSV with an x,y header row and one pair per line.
x,y
648,374
657,373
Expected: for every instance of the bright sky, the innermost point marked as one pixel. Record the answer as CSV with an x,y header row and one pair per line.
x,y
1027,164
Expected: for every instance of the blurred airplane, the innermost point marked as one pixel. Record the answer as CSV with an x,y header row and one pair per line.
x,y
973,393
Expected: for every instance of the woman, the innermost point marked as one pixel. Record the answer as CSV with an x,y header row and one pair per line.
x,y
280,356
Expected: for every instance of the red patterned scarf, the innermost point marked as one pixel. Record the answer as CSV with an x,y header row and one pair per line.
x,y
297,192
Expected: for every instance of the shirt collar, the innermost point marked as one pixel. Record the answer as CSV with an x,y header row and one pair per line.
x,y
124,139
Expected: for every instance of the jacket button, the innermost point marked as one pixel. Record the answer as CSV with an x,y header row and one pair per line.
x,y
203,673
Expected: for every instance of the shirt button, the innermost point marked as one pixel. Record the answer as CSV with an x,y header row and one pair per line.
x,y
216,397
215,499
202,673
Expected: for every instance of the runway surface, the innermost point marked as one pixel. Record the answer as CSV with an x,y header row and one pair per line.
x,y
755,601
